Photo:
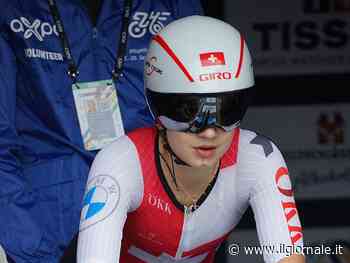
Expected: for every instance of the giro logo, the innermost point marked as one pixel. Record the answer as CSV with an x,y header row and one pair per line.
x,y
152,22
216,76
37,28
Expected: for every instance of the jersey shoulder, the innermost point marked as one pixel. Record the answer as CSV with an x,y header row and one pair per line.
x,y
255,145
258,156
129,146
120,161
116,154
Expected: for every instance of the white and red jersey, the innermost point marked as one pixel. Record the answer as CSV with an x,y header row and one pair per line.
x,y
130,214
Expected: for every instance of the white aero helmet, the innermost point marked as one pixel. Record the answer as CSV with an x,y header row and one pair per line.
x,y
198,73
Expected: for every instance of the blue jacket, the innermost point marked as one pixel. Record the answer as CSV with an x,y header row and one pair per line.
x,y
43,165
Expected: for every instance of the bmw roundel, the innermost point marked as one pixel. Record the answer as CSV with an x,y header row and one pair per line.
x,y
100,200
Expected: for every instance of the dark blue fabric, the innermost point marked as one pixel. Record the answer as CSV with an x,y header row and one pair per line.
x,y
43,165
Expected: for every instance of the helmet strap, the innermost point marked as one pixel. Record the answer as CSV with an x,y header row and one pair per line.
x,y
177,160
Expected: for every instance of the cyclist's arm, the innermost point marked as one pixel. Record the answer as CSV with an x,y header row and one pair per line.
x,y
114,188
272,201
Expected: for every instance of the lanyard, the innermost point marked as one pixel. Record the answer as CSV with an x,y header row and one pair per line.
x,y
72,67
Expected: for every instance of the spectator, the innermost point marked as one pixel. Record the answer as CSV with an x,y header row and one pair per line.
x,y
48,51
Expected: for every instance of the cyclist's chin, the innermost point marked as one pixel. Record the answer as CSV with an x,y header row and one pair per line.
x,y
200,161
207,163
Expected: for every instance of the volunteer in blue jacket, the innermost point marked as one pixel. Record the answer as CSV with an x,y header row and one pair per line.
x,y
71,81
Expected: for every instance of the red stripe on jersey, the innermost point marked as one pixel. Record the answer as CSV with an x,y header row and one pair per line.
x,y
156,226
230,157
283,171
289,206
297,231
292,212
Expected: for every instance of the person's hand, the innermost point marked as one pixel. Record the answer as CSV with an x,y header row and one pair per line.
x,y
2,255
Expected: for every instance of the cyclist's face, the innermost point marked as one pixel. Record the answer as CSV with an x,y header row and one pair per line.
x,y
201,149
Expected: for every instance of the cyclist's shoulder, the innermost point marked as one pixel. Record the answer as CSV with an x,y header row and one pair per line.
x,y
119,161
259,158
254,146
119,150
143,138
128,146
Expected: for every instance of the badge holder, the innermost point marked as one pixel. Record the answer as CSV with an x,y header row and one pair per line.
x,y
96,102
98,113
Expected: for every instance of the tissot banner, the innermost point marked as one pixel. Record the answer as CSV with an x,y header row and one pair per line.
x,y
315,141
294,37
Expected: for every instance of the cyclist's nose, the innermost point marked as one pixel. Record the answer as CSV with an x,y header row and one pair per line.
x,y
209,133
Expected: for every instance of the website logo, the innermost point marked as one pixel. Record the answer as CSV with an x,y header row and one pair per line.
x,y
37,28
336,251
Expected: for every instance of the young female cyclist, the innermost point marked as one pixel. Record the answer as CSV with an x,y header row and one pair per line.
x,y
174,192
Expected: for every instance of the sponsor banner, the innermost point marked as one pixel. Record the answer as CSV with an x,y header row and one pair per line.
x,y
314,140
321,245
294,37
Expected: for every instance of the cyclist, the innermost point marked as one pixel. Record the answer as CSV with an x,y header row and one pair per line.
x,y
174,192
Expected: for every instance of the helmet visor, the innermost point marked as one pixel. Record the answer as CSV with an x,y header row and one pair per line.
x,y
196,112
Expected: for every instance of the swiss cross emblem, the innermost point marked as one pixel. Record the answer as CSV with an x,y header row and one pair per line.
x,y
212,59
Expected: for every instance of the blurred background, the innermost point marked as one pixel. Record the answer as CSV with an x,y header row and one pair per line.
x,y
301,52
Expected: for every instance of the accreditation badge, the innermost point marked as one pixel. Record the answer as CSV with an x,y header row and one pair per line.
x,y
98,112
